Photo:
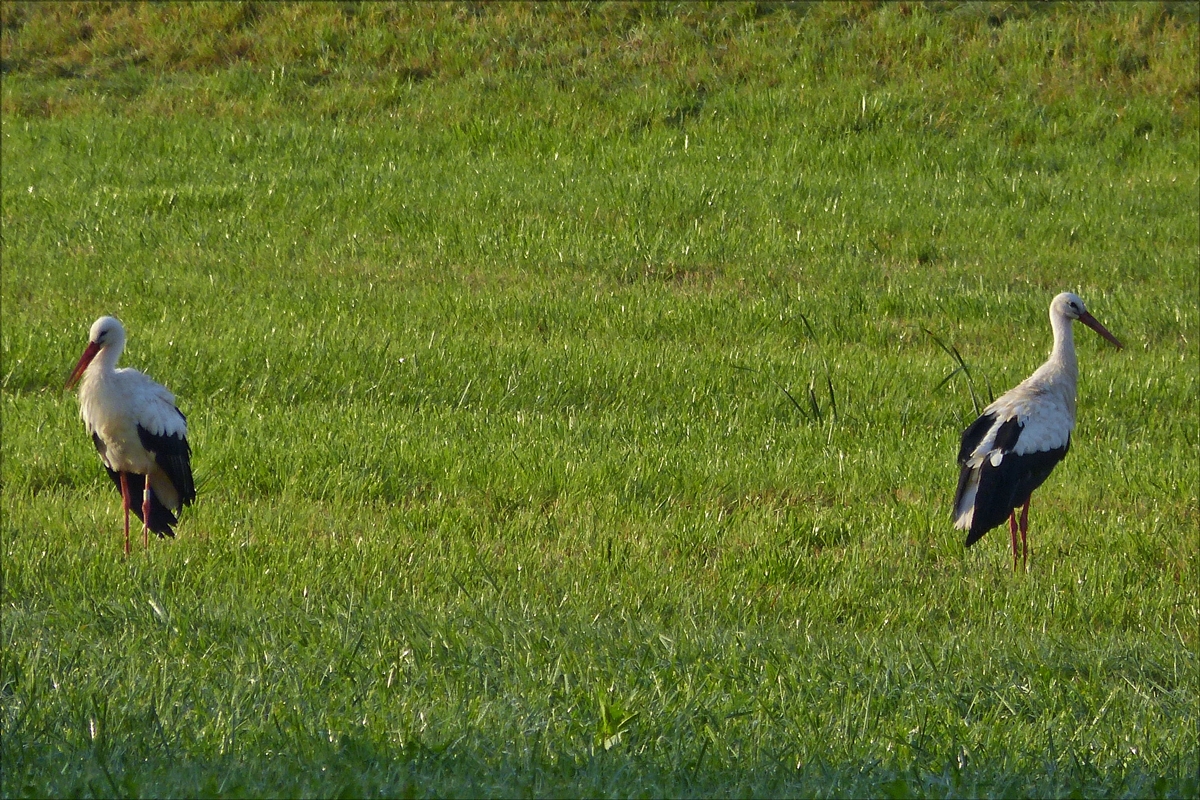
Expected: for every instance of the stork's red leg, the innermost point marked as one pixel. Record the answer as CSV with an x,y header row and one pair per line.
x,y
1024,531
125,503
146,513
1012,527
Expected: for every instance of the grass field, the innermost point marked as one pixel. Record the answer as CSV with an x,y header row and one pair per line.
x,y
568,400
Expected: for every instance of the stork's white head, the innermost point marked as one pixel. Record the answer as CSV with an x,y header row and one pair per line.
x,y
107,334
1069,305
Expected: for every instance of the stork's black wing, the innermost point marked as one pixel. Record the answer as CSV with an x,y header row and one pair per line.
x,y
174,457
1007,485
973,435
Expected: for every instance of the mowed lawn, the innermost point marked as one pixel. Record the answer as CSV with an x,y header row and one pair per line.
x,y
575,393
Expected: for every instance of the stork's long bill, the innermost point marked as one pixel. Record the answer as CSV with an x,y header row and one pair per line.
x,y
1090,321
89,353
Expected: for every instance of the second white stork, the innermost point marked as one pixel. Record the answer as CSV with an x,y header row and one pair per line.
x,y
140,434
1016,442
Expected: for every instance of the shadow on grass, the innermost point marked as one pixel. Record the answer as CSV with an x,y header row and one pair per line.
x,y
352,765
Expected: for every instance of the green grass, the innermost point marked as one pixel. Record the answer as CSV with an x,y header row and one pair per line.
x,y
565,411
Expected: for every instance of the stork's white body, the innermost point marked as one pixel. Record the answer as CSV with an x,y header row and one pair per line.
x,y
138,431
114,402
1016,442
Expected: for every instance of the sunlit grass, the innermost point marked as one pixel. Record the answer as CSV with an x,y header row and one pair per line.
x,y
567,419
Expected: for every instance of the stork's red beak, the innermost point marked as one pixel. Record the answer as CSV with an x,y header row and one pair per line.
x,y
89,353
1090,321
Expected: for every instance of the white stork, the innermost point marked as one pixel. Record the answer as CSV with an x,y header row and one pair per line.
x,y
1015,444
140,434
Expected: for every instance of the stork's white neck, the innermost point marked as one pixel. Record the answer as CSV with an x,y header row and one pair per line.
x,y
105,361
1062,356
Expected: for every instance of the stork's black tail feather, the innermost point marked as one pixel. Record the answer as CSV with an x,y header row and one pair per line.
x,y
161,518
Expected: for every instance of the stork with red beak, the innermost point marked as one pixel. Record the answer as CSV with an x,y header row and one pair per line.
x,y
1017,441
140,434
